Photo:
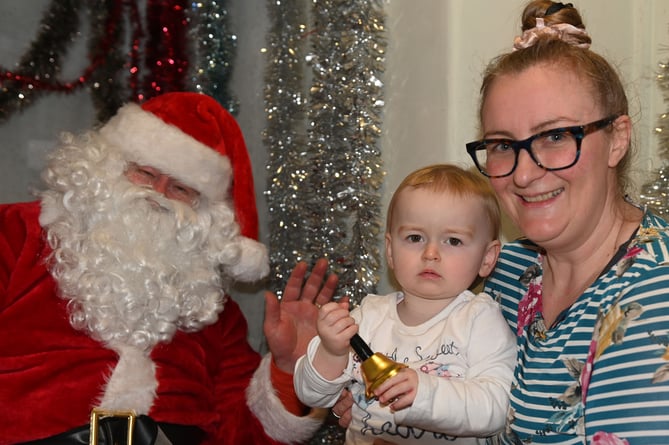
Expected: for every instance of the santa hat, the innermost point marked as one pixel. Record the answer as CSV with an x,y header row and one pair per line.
x,y
192,138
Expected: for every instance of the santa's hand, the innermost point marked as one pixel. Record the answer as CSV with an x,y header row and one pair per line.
x,y
343,409
291,323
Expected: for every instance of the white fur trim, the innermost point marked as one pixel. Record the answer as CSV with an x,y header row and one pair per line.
x,y
148,140
253,263
132,384
279,424
49,211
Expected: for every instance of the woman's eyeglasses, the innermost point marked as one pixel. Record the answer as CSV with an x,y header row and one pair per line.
x,y
555,149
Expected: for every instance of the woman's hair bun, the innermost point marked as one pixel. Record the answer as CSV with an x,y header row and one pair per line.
x,y
547,19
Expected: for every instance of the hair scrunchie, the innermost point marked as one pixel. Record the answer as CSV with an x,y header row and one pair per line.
x,y
561,31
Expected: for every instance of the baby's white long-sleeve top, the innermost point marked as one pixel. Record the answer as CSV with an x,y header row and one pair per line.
x,y
464,357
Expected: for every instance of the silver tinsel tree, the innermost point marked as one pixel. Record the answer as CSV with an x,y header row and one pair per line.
x,y
342,211
655,193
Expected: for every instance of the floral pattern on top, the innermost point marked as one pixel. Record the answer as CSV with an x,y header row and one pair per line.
x,y
609,329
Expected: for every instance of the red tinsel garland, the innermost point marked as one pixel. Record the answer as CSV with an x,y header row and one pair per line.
x,y
135,49
164,53
35,82
165,49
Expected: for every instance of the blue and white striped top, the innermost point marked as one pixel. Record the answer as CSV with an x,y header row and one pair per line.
x,y
601,374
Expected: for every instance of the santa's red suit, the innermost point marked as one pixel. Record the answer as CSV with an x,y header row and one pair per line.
x,y
52,375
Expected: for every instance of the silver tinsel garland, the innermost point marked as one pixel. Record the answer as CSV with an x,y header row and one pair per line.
x,y
325,171
655,193
323,194
284,136
342,210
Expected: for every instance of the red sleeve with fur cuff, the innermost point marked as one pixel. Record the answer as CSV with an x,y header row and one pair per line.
x,y
283,384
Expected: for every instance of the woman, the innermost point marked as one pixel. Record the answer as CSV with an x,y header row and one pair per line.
x,y
587,289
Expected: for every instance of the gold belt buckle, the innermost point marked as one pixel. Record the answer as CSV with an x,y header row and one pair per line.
x,y
97,414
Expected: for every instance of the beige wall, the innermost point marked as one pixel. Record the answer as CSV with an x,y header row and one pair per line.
x,y
438,49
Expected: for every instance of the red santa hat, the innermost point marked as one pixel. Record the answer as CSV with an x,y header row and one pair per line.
x,y
192,138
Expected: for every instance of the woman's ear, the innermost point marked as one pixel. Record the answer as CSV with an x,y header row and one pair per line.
x,y
490,258
622,136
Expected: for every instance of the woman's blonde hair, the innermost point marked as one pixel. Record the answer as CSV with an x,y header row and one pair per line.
x,y
605,84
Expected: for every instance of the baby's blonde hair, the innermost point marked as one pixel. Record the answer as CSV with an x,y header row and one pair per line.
x,y
451,179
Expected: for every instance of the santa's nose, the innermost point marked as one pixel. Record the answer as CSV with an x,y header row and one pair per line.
x,y
161,184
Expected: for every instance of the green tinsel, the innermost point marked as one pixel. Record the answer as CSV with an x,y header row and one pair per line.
x,y
42,61
214,50
108,86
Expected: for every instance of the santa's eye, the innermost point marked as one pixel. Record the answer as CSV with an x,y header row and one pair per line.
x,y
146,173
141,174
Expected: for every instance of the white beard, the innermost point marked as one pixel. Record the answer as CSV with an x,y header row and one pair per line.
x,y
135,273
134,265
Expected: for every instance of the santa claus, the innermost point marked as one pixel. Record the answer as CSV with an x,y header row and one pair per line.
x,y
113,290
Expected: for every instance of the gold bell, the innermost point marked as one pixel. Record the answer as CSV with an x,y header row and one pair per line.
x,y
376,368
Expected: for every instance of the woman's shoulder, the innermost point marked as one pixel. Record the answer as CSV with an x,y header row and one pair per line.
x,y
641,275
521,249
653,238
515,258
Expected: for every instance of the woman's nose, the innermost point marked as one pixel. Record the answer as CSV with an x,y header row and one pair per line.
x,y
526,169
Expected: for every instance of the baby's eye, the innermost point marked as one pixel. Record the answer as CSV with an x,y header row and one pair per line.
x,y
453,241
414,238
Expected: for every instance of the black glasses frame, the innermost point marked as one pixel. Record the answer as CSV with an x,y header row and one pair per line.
x,y
578,131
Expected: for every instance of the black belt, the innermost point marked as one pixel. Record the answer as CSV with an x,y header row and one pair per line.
x,y
114,431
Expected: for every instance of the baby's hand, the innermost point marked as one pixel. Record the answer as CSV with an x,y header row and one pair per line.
x,y
336,327
399,391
